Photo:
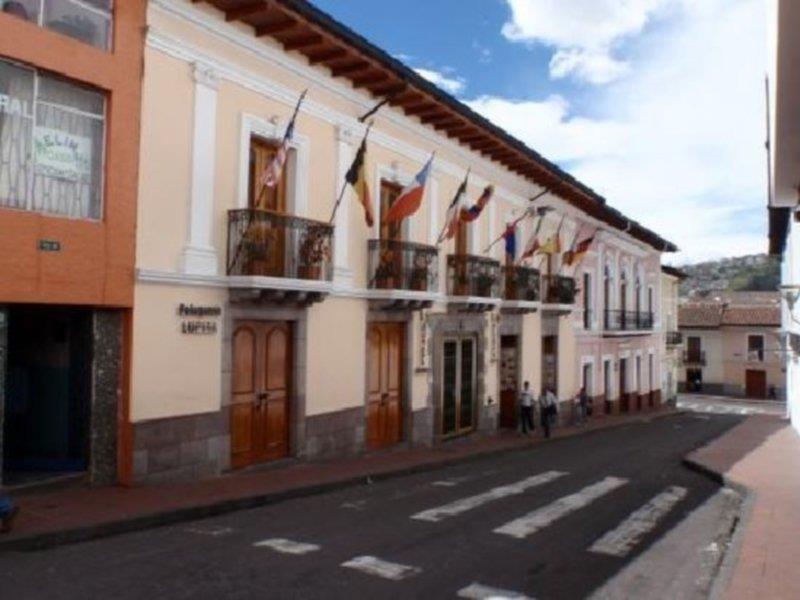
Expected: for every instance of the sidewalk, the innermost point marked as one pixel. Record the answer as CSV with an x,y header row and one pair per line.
x,y
80,513
761,454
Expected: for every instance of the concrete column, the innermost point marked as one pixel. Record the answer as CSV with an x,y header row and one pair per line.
x,y
106,394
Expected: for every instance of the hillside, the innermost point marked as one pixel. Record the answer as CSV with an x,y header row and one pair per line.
x,y
756,272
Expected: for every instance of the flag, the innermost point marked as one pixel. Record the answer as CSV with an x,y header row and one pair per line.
x,y
357,177
510,237
552,245
272,172
409,200
454,210
572,257
531,248
467,215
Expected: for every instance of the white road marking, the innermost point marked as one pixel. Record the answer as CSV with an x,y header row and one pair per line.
x,y
477,591
287,546
622,539
542,517
375,566
356,504
464,504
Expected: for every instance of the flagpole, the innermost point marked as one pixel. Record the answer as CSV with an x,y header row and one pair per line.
x,y
571,247
344,183
439,239
524,214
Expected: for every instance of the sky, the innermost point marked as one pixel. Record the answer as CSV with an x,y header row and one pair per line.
x,y
656,104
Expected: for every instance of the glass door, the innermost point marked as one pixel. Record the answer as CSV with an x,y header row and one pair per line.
x,y
458,386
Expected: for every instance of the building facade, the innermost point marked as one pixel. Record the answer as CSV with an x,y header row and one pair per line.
x,y
732,348
672,340
70,89
263,329
784,201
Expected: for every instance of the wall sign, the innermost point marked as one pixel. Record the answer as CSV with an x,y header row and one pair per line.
x,y
424,359
195,320
61,155
49,245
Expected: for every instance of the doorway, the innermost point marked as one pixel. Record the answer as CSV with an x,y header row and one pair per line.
x,y
48,392
261,394
694,380
624,403
755,383
385,386
607,386
458,387
509,380
550,363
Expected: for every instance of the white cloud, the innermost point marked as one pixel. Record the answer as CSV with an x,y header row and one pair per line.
x,y
679,145
583,33
452,85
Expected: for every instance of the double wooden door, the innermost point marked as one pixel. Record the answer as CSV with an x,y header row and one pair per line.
x,y
458,385
261,380
385,386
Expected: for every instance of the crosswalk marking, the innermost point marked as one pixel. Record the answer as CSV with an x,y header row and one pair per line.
x,y
477,591
375,566
542,517
287,546
622,539
464,504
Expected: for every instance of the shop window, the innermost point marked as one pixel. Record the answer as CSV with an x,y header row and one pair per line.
x,y
52,135
85,20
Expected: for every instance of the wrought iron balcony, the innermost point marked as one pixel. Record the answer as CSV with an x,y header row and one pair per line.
x,y
694,358
472,276
557,289
674,338
521,283
621,320
271,244
398,265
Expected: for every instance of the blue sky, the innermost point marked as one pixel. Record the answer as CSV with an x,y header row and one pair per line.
x,y
657,104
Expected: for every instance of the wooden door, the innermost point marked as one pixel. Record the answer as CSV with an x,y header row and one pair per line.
x,y
272,233
385,389
509,381
623,387
261,392
755,383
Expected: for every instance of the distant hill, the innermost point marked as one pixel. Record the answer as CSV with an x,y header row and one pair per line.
x,y
756,272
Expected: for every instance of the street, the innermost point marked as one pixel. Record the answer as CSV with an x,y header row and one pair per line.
x,y
706,403
557,521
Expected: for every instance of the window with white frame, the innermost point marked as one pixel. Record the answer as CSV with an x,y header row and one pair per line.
x,y
86,20
52,140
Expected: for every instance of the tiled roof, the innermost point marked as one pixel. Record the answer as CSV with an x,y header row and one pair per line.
x,y
713,315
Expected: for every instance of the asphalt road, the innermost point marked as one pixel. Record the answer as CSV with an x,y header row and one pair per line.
x,y
534,522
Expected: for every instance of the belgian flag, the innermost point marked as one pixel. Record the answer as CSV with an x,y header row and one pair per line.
x,y
357,177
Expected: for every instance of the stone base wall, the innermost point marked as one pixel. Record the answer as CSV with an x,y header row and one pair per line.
x,y
422,427
338,433
181,448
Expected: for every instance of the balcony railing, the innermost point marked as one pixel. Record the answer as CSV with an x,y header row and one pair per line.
x,y
398,265
694,357
622,320
557,289
521,283
473,276
271,244
674,338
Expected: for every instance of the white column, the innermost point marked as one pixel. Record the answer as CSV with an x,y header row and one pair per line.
x,y
433,209
344,151
199,257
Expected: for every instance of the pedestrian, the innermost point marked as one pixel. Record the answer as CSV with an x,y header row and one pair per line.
x,y
547,406
8,512
580,406
526,408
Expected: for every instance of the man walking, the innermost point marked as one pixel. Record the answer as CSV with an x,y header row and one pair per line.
x,y
547,408
526,408
581,406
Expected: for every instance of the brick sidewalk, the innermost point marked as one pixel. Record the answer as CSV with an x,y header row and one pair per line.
x,y
763,455
79,513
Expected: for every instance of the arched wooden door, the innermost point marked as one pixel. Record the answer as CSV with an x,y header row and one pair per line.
x,y
261,392
385,385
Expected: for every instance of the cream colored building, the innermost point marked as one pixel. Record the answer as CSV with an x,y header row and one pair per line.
x,y
672,338
259,335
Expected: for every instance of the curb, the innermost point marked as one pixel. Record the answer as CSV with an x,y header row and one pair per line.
x,y
51,539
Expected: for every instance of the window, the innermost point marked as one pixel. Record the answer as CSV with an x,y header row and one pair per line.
x,y
587,301
52,137
755,348
85,20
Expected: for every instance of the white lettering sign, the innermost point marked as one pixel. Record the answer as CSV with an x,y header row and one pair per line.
x,y
62,155
14,106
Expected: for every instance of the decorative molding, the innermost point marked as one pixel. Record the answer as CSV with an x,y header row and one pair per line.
x,y
205,74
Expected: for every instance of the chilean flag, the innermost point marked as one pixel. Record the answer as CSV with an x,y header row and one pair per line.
x,y
409,200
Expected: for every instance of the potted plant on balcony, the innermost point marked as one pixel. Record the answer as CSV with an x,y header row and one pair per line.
x,y
419,272
483,283
314,251
255,247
